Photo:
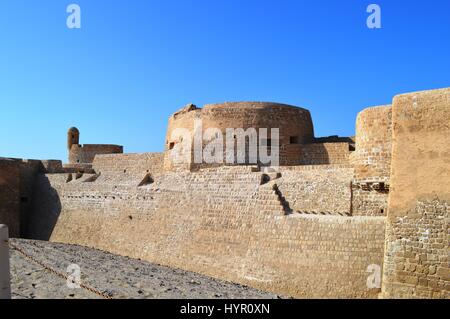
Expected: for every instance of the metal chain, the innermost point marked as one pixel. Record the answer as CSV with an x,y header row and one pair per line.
x,y
59,274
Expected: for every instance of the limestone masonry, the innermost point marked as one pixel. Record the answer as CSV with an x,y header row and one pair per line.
x,y
340,217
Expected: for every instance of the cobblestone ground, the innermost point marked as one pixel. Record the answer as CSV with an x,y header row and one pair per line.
x,y
36,276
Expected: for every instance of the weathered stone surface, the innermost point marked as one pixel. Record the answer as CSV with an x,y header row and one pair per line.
x,y
293,122
419,205
219,222
372,161
108,274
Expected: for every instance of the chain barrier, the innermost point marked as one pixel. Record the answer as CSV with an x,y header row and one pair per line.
x,y
59,274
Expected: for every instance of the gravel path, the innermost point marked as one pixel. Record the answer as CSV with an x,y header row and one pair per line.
x,y
108,275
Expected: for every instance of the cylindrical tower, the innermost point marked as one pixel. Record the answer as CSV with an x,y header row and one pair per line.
x,y
73,137
372,161
294,124
372,157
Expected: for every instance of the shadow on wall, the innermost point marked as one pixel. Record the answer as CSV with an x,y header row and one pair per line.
x,y
46,207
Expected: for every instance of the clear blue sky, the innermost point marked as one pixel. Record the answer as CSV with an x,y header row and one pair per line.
x,y
133,63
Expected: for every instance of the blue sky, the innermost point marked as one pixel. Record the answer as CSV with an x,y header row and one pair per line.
x,y
133,63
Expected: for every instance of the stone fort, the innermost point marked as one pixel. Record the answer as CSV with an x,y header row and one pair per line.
x,y
339,217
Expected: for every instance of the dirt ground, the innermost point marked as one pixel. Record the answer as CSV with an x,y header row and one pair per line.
x,y
39,270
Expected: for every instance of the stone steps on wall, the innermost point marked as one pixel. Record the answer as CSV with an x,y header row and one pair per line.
x,y
271,199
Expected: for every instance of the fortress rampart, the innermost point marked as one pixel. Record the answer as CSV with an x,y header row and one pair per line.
x,y
318,225
220,222
319,153
86,153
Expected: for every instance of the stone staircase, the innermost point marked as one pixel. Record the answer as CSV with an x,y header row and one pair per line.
x,y
283,202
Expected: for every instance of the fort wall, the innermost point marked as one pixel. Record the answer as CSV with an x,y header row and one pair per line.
x,y
311,230
320,189
220,222
87,152
137,164
17,185
417,234
369,201
324,153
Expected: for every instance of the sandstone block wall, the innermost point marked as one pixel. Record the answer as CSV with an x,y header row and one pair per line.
x,y
52,166
28,172
417,232
325,153
132,169
17,186
131,163
372,155
87,152
221,222
322,189
76,168
367,201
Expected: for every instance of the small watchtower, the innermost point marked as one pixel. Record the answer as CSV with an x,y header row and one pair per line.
x,y
85,154
73,137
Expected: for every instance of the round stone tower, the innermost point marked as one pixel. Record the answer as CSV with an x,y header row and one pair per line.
x,y
372,158
372,161
73,137
294,124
